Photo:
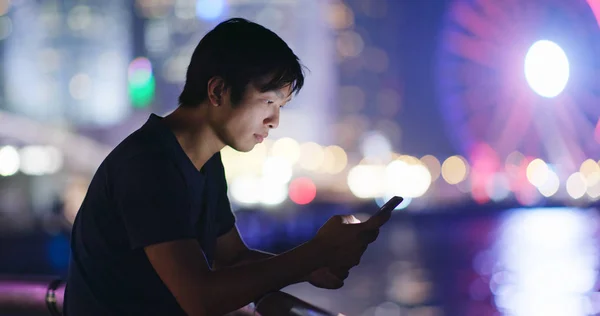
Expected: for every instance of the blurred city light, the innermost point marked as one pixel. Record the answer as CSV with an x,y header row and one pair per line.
x,y
288,148
141,82
376,147
366,181
302,191
576,185
311,156
547,263
546,68
537,172
272,193
551,184
454,169
209,9
498,187
335,159
277,169
246,189
40,160
9,161
434,166
406,180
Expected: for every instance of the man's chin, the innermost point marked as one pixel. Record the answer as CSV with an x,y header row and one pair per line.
x,y
244,148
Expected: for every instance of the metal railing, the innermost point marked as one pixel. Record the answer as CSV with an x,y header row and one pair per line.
x,y
43,296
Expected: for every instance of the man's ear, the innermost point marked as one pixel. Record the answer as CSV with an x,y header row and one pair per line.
x,y
216,90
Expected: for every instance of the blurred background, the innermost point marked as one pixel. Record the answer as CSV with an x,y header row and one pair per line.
x,y
483,114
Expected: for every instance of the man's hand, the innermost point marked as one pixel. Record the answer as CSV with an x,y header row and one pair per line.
x,y
347,239
325,279
342,231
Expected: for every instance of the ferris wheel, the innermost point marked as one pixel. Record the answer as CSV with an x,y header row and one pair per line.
x,y
522,75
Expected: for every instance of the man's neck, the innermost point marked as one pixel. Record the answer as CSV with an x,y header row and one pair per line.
x,y
194,134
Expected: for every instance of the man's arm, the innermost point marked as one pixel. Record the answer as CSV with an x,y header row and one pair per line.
x,y
201,291
231,250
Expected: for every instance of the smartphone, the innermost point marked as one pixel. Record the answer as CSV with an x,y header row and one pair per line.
x,y
390,205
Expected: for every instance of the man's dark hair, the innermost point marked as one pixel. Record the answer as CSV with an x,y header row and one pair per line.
x,y
241,52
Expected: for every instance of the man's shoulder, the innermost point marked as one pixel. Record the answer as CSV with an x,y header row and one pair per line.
x,y
139,147
140,152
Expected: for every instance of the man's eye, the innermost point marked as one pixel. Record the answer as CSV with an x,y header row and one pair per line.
x,y
270,101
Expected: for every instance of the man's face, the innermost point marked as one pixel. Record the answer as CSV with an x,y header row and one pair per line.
x,y
247,123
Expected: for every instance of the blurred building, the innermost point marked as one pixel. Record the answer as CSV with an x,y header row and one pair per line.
x,y
65,61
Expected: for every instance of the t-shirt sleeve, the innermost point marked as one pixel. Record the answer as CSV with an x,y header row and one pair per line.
x,y
225,217
151,198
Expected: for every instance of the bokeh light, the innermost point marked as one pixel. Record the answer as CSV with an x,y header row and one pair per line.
x,y
339,16
302,191
79,18
590,170
245,189
287,148
80,86
209,9
272,193
352,98
454,169
277,170
537,172
9,161
406,180
335,159
311,156
498,187
141,82
366,181
376,60
349,44
546,68
434,166
40,160
576,185
551,185
376,147
547,262
593,191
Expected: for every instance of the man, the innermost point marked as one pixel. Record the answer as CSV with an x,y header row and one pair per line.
x,y
155,234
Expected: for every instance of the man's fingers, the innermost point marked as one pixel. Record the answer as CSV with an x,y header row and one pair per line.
x,y
369,236
352,254
340,273
334,280
350,219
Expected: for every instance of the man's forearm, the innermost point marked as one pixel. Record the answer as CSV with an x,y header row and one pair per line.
x,y
235,286
253,255
250,256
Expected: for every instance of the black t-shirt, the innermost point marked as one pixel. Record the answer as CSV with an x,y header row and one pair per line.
x,y
146,191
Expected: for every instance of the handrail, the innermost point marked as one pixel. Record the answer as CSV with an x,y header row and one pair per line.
x,y
281,303
39,295
44,296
